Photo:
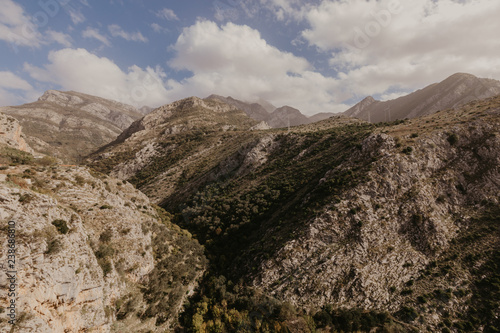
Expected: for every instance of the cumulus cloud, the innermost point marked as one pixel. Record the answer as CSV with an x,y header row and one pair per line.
x,y
12,81
116,31
235,60
80,70
92,33
167,14
16,27
375,44
14,90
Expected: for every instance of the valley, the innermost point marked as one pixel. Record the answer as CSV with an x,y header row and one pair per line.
x,y
197,218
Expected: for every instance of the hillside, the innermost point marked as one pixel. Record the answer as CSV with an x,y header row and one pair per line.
x,y
92,252
453,92
339,224
69,125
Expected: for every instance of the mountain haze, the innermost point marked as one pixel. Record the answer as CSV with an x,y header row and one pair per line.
x,y
453,92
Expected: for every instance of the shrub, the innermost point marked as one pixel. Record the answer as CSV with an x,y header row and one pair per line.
x,y
453,139
61,226
408,150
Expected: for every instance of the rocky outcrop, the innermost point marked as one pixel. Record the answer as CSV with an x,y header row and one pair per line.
x,y
365,249
84,252
11,133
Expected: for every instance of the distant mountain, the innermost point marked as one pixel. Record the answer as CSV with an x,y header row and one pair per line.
x,y
145,110
321,116
254,110
71,124
274,117
287,116
453,92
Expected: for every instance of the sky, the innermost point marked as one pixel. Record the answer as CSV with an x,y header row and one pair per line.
x,y
317,56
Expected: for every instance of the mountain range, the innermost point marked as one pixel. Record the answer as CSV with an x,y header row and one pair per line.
x,y
69,125
453,92
197,217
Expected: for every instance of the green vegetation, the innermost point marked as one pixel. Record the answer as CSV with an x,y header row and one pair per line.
x,y
61,226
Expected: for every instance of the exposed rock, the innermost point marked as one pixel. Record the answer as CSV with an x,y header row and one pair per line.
x,y
70,124
11,133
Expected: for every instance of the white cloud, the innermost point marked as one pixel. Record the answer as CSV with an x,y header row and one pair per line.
x,y
12,81
383,44
235,60
116,31
167,14
59,37
286,9
158,28
16,27
79,70
14,90
95,34
76,16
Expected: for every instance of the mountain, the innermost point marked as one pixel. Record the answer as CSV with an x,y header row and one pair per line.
x,y
93,253
453,92
287,116
339,225
321,116
274,117
71,124
254,110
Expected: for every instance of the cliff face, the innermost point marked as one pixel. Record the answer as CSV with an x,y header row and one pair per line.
x,y
11,133
90,276
90,253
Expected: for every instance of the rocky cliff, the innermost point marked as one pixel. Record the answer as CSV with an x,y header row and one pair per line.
x,y
11,133
92,253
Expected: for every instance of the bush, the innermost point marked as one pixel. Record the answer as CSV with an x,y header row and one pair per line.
x,y
408,150
61,226
453,139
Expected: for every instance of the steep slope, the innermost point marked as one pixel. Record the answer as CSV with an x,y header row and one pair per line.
x,y
173,143
11,134
91,252
339,224
453,92
70,124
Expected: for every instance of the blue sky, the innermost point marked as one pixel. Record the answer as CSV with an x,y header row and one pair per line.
x,y
318,56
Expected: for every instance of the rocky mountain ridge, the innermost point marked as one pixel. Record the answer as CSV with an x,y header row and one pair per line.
x,y
453,92
69,125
